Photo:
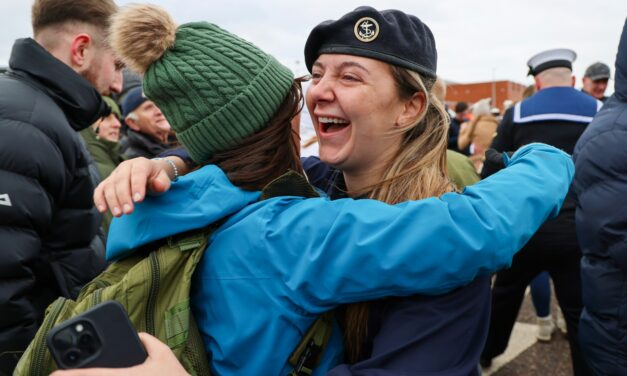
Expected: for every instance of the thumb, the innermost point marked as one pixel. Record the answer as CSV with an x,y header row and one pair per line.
x,y
152,344
159,184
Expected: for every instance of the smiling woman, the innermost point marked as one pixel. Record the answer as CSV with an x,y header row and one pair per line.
x,y
391,146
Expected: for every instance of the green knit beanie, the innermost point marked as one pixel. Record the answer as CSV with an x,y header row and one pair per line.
x,y
214,88
115,109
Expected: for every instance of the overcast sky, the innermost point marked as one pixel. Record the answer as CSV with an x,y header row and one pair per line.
x,y
476,40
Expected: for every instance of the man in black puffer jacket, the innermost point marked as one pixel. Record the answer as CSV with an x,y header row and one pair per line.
x,y
48,225
600,185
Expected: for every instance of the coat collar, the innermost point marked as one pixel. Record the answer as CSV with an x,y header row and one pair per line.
x,y
79,100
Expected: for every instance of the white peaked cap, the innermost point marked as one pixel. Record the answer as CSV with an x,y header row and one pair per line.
x,y
558,57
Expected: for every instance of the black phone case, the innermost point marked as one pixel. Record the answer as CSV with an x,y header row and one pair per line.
x,y
120,344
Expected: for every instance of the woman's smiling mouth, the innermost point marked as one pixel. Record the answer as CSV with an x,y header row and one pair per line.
x,y
332,124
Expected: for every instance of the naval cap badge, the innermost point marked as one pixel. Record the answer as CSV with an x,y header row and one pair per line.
x,y
366,29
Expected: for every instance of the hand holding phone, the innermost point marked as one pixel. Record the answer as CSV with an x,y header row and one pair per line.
x,y
100,337
160,362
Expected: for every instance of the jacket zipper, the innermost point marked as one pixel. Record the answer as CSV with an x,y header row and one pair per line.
x,y
96,297
55,311
152,296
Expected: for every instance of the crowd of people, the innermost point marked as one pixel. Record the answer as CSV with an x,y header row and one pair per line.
x,y
411,235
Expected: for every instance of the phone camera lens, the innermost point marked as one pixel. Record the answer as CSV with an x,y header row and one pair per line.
x,y
87,342
64,340
72,356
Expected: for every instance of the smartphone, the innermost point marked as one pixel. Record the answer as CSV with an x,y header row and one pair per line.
x,y
100,337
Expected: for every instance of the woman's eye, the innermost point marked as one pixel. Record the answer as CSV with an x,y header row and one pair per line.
x,y
350,77
316,76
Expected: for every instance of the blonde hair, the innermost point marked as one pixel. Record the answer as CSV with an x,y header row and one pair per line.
x,y
417,171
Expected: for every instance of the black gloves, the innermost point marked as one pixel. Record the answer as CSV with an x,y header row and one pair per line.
x,y
493,162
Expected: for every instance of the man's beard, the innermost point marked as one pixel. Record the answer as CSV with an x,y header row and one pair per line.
x,y
91,75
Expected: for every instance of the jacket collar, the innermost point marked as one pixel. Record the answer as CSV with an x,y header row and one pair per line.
x,y
143,142
79,100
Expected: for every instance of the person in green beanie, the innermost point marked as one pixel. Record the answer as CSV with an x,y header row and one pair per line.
x,y
276,264
102,140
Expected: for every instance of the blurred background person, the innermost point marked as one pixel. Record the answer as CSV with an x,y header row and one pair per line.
x,y
460,169
461,116
557,114
477,134
540,287
102,140
595,80
148,130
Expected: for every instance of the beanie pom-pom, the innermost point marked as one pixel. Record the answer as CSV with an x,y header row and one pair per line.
x,y
141,34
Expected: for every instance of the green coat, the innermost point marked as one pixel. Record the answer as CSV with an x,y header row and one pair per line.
x,y
460,169
107,156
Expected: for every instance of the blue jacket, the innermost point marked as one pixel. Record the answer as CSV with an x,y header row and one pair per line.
x,y
601,189
275,265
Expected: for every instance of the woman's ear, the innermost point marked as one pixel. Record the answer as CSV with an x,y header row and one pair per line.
x,y
412,110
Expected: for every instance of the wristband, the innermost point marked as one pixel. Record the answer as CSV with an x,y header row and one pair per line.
x,y
173,165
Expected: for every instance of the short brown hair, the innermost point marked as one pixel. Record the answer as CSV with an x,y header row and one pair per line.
x,y
55,12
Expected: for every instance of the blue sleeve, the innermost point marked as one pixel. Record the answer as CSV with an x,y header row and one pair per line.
x,y
343,251
194,201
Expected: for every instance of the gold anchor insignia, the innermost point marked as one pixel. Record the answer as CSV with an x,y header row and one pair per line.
x,y
366,29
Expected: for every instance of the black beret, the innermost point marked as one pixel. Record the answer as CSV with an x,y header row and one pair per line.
x,y
390,35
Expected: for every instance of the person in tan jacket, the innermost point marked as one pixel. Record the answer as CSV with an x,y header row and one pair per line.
x,y
478,133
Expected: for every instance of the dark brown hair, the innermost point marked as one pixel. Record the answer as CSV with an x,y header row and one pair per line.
x,y
267,154
55,12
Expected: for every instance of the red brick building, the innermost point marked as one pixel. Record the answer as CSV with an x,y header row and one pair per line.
x,y
497,90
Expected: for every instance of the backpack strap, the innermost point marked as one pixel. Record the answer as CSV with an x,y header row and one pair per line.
x,y
310,349
192,239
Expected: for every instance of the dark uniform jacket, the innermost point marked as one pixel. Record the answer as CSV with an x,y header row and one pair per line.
x,y
416,335
48,224
600,186
556,116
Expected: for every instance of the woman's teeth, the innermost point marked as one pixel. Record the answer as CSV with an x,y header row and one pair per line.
x,y
332,120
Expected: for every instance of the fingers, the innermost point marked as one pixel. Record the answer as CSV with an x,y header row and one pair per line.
x,y
114,192
127,185
138,179
90,372
99,198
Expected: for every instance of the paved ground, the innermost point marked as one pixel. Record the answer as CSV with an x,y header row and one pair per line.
x,y
526,356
